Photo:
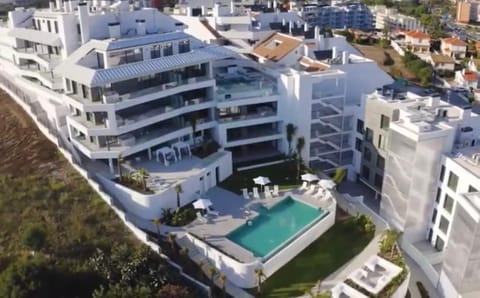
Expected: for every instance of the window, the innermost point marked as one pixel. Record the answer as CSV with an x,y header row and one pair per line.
x,y
452,181
381,142
442,173
49,26
184,46
430,234
448,203
378,180
74,87
369,135
439,243
384,122
434,216
133,55
85,91
168,49
443,225
100,60
472,189
439,192
155,52
360,126
366,172
367,154
55,26
380,162
78,29
358,144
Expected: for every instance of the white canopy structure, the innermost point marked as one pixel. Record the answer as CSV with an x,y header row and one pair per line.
x,y
260,180
309,177
182,149
202,204
327,183
168,155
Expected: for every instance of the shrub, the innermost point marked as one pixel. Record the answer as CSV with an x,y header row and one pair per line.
x,y
34,238
170,290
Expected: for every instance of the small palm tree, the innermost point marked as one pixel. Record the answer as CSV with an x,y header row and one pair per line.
x,y
223,280
171,239
157,222
260,277
178,190
213,272
388,242
142,175
300,146
119,166
290,131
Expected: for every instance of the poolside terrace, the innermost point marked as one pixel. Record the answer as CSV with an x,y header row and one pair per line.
x,y
234,211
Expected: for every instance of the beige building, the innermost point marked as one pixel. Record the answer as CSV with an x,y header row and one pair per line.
x,y
454,47
442,62
468,11
418,42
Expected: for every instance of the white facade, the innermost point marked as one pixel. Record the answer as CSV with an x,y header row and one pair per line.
x,y
390,18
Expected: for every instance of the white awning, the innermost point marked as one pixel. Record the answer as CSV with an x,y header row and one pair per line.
x,y
37,36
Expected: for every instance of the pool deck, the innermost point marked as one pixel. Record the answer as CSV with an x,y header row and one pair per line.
x,y
232,209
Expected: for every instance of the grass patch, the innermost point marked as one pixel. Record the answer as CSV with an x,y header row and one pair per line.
x,y
283,174
328,253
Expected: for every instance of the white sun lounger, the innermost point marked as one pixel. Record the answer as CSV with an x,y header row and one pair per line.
x,y
276,191
255,193
320,193
201,218
246,196
212,212
311,190
267,192
304,186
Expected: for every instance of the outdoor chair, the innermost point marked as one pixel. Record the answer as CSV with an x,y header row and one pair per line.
x,y
311,190
267,192
212,212
304,186
201,218
276,191
246,196
319,194
256,195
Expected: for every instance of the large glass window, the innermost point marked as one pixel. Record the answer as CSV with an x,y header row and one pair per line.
x,y
448,203
168,49
369,135
439,243
378,180
358,144
472,189
366,172
443,226
384,122
155,52
434,215
184,46
439,192
452,181
360,126
442,173
381,142
380,162
367,154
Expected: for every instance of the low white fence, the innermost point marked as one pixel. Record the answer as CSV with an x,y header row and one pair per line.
x,y
53,135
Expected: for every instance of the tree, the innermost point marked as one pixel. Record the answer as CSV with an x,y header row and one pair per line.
x,y
213,272
157,222
34,238
388,242
142,175
171,239
28,278
290,131
176,291
223,280
260,277
178,191
119,166
300,146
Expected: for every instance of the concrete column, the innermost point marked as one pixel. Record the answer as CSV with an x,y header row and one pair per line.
x,y
149,153
110,165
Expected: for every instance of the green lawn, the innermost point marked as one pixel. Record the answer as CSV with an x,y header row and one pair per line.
x,y
282,174
328,253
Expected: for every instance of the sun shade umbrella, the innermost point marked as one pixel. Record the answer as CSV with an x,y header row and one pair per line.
x,y
309,177
327,183
260,180
202,204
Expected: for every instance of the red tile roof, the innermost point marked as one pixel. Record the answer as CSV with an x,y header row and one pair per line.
x,y
417,34
454,41
470,76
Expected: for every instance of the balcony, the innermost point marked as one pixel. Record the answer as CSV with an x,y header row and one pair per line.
x,y
251,132
261,113
46,60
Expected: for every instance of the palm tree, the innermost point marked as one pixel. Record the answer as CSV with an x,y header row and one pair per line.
x,y
213,272
157,222
119,166
290,131
171,239
223,280
300,146
260,277
142,174
388,242
178,190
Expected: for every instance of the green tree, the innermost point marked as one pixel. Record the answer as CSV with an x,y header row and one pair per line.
x,y
178,191
260,275
176,291
213,272
27,278
388,242
290,131
300,146
171,240
223,281
34,238
142,175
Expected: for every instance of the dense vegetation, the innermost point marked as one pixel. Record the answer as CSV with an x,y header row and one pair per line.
x,y
421,69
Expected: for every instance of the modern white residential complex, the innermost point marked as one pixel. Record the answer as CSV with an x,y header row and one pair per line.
x,y
420,153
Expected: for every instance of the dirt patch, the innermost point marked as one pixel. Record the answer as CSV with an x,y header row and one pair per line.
x,y
378,54
24,150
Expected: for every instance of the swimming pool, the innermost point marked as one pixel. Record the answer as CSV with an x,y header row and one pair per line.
x,y
273,228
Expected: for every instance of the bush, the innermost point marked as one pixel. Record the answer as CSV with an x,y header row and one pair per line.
x,y
387,59
180,217
34,238
174,291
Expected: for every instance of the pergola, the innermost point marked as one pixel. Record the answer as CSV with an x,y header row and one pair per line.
x,y
168,155
182,149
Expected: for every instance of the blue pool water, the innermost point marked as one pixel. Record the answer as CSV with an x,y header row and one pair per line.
x,y
273,227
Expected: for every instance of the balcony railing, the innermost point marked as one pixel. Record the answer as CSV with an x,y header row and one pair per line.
x,y
253,133
250,116
242,91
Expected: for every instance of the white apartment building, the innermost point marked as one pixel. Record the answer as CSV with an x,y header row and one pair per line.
x,y
418,153
390,18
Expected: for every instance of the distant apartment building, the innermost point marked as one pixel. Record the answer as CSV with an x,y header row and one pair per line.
x,y
338,16
468,11
390,19
419,151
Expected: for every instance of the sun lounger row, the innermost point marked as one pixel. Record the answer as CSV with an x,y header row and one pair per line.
x,y
267,192
313,191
